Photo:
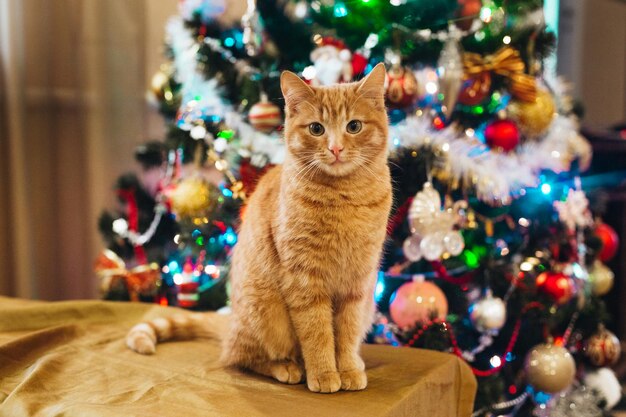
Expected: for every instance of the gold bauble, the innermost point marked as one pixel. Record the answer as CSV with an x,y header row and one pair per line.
x,y
165,88
601,278
193,198
533,118
550,368
603,348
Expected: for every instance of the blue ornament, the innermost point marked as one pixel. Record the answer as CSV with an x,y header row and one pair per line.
x,y
396,116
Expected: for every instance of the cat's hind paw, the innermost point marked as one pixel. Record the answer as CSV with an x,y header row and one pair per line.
x,y
287,372
354,380
325,382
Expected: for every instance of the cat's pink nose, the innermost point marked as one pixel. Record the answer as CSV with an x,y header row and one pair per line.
x,y
336,150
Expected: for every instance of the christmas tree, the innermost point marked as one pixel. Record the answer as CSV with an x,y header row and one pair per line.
x,y
493,253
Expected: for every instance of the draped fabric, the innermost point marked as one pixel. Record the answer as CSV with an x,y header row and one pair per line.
x,y
73,81
69,358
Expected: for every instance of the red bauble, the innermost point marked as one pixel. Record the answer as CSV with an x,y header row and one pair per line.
x,y
401,87
610,241
475,90
468,11
557,285
418,302
502,134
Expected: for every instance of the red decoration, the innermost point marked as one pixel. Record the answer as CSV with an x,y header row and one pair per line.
x,y
455,346
610,241
401,87
250,175
502,134
359,63
438,123
475,90
467,12
418,302
132,211
557,285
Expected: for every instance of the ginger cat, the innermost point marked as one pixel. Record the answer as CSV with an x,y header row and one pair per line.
x,y
304,268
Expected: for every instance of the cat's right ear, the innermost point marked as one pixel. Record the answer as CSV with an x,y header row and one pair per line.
x,y
294,90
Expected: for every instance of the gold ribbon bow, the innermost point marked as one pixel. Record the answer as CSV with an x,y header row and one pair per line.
x,y
142,279
507,63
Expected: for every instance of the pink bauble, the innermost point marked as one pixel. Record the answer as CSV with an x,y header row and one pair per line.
x,y
418,302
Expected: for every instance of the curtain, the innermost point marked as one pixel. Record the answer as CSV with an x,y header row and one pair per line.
x,y
73,81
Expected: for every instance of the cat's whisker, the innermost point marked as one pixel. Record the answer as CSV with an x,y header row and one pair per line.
x,y
302,172
362,163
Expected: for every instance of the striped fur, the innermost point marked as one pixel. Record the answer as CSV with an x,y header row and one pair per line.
x,y
304,269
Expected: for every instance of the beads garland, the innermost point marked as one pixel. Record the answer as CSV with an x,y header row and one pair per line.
x,y
457,350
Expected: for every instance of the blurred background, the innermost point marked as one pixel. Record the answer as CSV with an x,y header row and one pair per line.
x,y
73,107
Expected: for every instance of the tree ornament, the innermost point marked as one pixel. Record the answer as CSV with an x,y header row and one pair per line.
x,y
467,12
332,62
401,87
411,248
557,285
450,68
476,89
140,281
580,401
549,368
601,278
417,302
507,63
605,382
610,241
502,134
434,225
603,348
488,314
574,211
192,198
265,116
533,117
165,88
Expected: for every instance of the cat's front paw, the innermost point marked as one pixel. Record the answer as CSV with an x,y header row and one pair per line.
x,y
353,380
324,382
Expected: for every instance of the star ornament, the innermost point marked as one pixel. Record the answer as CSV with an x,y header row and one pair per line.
x,y
574,211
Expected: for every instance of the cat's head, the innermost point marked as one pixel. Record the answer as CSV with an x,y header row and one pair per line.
x,y
337,129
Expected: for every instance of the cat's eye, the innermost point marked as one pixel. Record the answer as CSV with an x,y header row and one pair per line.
x,y
316,129
354,126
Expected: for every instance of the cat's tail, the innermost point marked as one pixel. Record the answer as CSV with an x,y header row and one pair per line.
x,y
143,337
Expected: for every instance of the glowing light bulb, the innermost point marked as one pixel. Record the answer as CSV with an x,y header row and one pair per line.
x,y
495,361
340,9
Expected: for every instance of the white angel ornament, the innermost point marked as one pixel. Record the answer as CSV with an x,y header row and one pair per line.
x,y
433,227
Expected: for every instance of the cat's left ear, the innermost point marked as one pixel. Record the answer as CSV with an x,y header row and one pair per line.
x,y
294,90
374,84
